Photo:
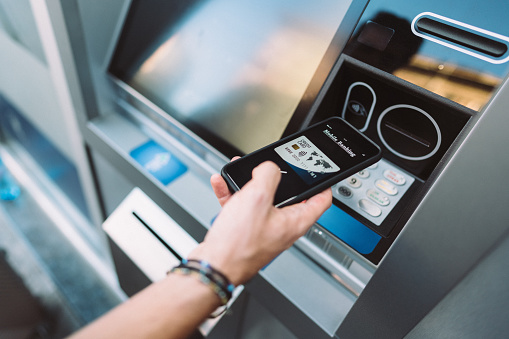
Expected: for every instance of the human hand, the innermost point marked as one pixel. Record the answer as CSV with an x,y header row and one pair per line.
x,y
249,232
220,187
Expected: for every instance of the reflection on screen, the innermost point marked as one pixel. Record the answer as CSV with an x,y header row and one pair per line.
x,y
237,68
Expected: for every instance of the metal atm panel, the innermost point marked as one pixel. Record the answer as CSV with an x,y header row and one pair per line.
x,y
445,240
384,74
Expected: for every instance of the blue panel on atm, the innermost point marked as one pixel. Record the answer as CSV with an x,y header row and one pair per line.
x,y
349,230
159,162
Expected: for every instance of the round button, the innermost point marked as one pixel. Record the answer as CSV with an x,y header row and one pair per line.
x,y
345,191
354,182
363,174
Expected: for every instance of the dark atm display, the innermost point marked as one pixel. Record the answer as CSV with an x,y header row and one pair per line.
x,y
234,72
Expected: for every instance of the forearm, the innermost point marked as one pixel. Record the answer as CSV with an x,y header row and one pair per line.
x,y
171,308
247,234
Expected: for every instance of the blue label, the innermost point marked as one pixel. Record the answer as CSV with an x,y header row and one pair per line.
x,y
159,162
349,230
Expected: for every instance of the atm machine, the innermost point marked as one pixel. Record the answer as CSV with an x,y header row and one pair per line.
x,y
413,246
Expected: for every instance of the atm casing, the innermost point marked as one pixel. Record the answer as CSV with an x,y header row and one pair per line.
x,y
446,238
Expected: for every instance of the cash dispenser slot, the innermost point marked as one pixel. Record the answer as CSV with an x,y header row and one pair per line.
x,y
147,236
461,37
178,256
475,41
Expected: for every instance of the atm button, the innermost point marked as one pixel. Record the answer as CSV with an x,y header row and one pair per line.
x,y
386,187
345,191
378,197
354,182
395,177
370,208
363,174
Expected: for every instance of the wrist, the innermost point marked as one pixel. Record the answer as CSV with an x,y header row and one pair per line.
x,y
220,262
192,291
208,275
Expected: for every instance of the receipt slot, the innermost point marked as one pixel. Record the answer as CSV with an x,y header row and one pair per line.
x,y
132,228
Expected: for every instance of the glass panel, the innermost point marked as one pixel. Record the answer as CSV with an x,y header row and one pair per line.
x,y
228,67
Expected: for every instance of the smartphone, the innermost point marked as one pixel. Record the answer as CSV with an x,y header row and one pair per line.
x,y
310,160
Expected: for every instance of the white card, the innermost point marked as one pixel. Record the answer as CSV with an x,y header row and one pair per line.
x,y
303,154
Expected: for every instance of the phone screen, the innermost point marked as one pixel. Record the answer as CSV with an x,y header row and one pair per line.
x,y
317,158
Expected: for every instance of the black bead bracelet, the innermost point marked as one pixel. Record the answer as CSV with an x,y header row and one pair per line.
x,y
208,275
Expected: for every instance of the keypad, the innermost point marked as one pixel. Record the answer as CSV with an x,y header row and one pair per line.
x,y
374,191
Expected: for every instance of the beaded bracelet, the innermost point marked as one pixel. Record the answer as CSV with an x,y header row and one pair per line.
x,y
207,275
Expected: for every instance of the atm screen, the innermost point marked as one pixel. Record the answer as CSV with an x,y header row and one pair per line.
x,y
233,72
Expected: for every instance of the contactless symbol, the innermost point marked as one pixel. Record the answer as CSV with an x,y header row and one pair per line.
x,y
357,108
359,105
